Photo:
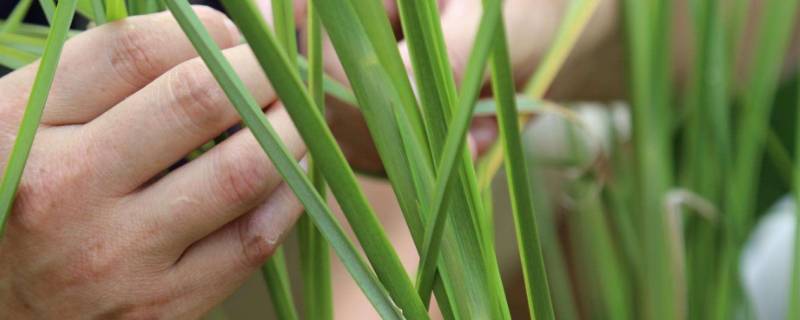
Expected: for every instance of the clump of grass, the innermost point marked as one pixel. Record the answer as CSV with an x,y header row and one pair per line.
x,y
627,257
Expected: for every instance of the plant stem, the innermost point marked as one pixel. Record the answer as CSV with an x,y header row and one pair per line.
x,y
317,286
540,304
277,281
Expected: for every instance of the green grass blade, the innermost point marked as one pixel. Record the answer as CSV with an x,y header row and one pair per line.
x,y
116,10
751,130
606,267
437,90
454,144
35,108
330,86
575,20
292,173
322,146
571,27
794,294
94,10
374,75
379,31
49,8
647,26
285,32
29,44
375,94
99,11
16,16
274,269
317,290
432,69
139,7
14,58
277,281
527,230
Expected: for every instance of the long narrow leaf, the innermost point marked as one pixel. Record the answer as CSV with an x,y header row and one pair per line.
x,y
49,9
317,287
274,269
277,280
379,82
530,250
116,10
14,58
646,25
324,149
286,165
473,78
16,16
35,108
794,294
99,11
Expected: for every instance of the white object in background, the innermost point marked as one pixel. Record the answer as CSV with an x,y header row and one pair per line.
x,y
767,261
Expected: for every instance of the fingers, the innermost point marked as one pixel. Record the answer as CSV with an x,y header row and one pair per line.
x,y
209,192
169,118
229,255
102,66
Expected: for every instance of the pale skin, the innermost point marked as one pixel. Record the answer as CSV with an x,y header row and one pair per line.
x,y
101,228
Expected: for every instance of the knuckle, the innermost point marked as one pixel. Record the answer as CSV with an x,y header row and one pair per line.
x,y
198,99
242,177
256,248
133,55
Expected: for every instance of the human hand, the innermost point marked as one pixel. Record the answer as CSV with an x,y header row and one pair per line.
x,y
101,227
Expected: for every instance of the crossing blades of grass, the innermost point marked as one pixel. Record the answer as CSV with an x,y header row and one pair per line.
x,y
573,24
35,107
454,142
437,90
323,147
379,97
49,8
432,69
16,16
274,269
530,250
315,259
244,12
116,10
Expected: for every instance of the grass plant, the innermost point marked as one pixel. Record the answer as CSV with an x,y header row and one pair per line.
x,y
621,250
